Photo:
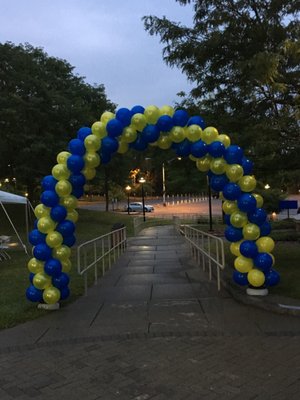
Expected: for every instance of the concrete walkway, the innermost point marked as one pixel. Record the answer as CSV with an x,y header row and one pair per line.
x,y
154,328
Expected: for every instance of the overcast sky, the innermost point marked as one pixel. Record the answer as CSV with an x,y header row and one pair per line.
x,y
104,40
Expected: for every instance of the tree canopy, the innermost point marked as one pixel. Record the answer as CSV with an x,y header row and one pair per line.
x,y
243,59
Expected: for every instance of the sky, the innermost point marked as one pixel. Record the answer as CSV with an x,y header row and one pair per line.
x,y
105,41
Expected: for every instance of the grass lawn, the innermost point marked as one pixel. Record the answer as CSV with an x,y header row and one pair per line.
x,y
15,308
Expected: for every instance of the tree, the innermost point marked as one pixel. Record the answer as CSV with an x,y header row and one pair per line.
x,y
243,58
42,105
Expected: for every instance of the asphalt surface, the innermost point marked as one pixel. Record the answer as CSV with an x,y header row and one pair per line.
x,y
156,328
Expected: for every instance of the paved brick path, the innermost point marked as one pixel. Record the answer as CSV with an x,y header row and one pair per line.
x,y
154,328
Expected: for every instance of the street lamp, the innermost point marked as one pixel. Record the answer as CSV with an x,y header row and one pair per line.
x,y
209,204
142,181
128,188
164,178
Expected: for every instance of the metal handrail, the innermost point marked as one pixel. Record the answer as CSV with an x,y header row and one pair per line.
x,y
100,250
206,248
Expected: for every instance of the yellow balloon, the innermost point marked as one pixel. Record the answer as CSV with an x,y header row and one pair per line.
x,y
42,211
60,171
129,134
203,163
69,202
91,159
259,200
193,158
193,133
167,110
164,142
54,239
46,224
234,172
256,277
107,116
177,134
92,143
41,280
235,248
72,215
63,187
265,244
247,183
62,157
89,173
209,134
123,147
218,166
51,295
238,219
243,264
224,139
251,232
152,114
229,206
139,121
98,129
61,252
66,265
35,265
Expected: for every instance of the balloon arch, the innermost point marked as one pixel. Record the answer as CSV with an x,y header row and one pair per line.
x,y
229,172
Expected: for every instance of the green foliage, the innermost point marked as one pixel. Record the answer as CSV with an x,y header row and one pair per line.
x,y
243,58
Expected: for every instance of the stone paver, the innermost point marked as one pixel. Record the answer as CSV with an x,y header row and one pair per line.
x,y
154,328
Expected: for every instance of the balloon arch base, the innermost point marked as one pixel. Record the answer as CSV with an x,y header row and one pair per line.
x,y
257,291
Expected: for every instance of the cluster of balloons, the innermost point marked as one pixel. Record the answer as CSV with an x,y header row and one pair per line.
x,y
229,172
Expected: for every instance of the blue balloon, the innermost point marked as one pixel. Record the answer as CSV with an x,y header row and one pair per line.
x,y
64,293
258,216
231,191
217,182
78,192
109,145
114,128
31,276
49,198
180,118
75,163
165,123
240,278
36,237
66,228
58,213
83,132
272,278
263,261
105,157
33,294
139,144
233,234
150,133
53,267
197,120
233,154
35,224
184,148
216,149
265,229
137,110
124,116
246,203
49,182
61,280
77,180
227,219
42,252
248,248
247,166
199,149
69,240
76,146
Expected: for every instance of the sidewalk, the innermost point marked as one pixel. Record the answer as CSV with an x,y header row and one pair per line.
x,y
153,328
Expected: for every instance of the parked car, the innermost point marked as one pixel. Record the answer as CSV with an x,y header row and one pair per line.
x,y
138,206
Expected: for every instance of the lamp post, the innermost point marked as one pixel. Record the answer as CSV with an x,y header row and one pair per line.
x,y
209,204
142,181
128,188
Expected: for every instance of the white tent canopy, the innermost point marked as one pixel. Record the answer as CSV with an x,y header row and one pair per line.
x,y
9,198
